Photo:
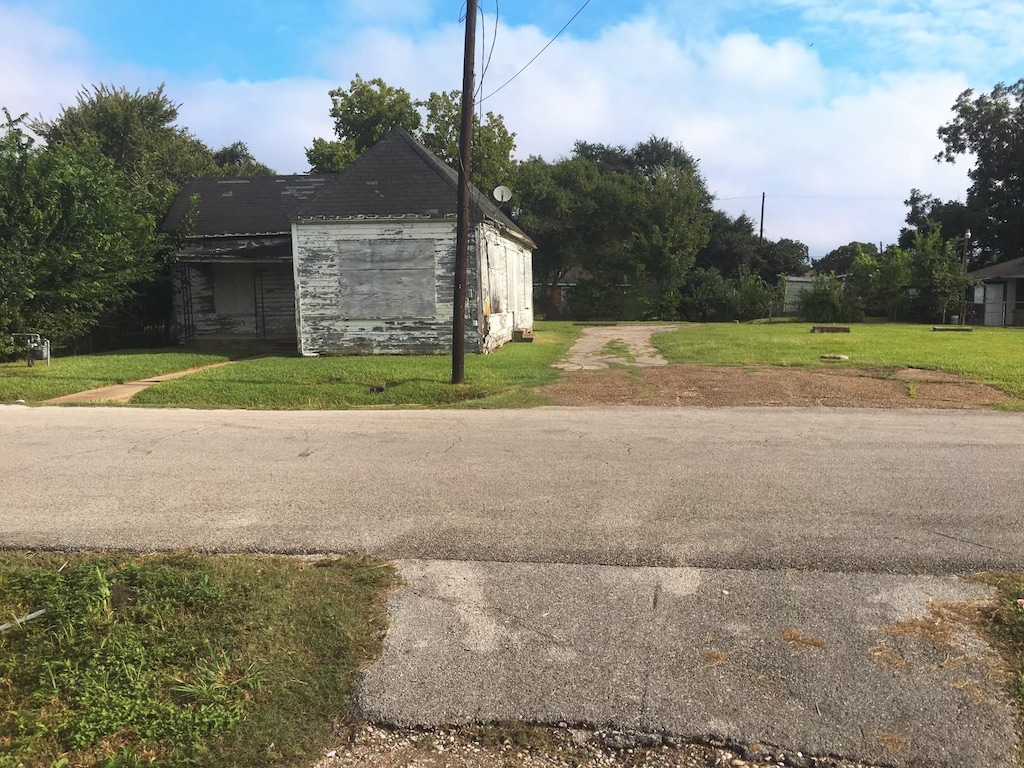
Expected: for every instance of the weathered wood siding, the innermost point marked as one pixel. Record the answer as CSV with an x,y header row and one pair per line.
x,y
506,286
234,301
379,286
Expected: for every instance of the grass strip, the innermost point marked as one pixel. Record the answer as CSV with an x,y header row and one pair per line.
x,y
504,378
66,375
1004,625
179,660
989,355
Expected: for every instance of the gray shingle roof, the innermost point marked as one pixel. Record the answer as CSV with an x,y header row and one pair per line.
x,y
397,176
1008,269
256,205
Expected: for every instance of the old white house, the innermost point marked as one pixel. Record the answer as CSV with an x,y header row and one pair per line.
x,y
360,262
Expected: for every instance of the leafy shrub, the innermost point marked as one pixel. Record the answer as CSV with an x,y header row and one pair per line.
x,y
828,301
707,297
753,297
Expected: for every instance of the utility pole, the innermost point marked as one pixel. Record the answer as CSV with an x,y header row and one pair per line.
x,y
760,238
462,222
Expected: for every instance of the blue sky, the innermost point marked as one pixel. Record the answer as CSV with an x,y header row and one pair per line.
x,y
830,107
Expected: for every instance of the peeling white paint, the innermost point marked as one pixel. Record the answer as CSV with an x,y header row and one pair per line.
x,y
362,286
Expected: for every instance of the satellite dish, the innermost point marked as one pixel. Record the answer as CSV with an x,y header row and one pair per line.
x,y
502,194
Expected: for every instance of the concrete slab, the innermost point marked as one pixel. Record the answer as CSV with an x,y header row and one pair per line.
x,y
873,668
589,353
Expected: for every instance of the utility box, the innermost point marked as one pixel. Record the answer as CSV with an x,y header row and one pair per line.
x,y
36,347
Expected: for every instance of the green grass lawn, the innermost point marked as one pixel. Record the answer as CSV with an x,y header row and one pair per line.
x,y
507,377
178,660
65,375
504,378
991,355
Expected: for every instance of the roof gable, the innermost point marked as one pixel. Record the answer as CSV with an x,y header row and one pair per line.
x,y
398,177
254,205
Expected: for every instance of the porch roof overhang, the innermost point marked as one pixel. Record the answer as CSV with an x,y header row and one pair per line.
x,y
276,247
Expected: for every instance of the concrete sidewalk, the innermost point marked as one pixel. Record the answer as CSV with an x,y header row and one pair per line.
x,y
122,393
871,668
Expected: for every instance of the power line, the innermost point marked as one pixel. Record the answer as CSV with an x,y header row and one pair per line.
x,y
814,197
486,64
557,35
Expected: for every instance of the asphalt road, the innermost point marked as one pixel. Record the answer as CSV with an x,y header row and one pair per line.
x,y
838,490
804,559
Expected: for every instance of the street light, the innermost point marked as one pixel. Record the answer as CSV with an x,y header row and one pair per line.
x,y
967,251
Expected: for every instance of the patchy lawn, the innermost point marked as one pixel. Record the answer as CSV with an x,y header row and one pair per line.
x,y
66,375
993,356
179,659
505,378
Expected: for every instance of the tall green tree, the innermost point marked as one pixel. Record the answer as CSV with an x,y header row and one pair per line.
x,y
133,140
366,110
667,209
953,218
20,217
569,209
735,249
891,282
671,227
881,281
237,160
732,245
137,132
327,156
937,275
72,244
840,260
781,257
631,221
362,113
493,143
989,128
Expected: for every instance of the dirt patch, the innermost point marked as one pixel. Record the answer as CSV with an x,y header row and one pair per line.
x,y
618,365
725,386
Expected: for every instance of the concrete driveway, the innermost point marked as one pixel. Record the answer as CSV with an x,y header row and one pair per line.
x,y
758,576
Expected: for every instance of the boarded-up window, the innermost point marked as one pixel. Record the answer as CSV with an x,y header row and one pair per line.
x,y
232,289
383,279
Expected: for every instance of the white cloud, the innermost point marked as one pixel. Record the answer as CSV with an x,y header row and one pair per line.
x,y
835,155
277,119
431,62
835,152
982,36
43,64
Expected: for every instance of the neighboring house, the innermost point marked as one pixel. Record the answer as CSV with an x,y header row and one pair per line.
x,y
556,299
999,296
792,286
371,253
